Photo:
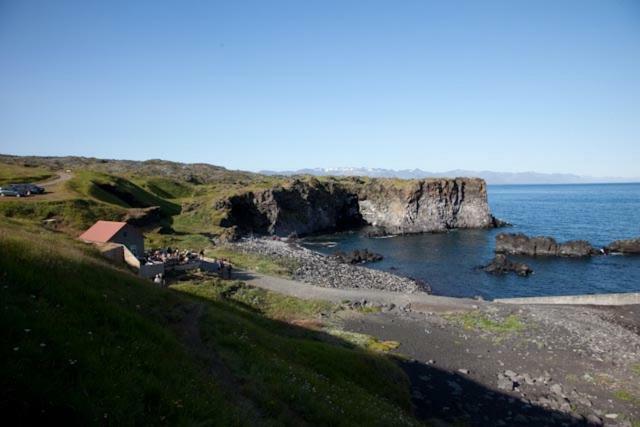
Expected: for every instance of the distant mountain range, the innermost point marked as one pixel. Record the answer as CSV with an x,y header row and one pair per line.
x,y
489,176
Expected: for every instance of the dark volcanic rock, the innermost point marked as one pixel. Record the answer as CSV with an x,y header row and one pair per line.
x,y
520,244
502,265
629,246
498,223
576,248
357,257
301,208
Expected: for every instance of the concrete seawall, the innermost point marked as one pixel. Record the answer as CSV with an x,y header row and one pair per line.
x,y
596,299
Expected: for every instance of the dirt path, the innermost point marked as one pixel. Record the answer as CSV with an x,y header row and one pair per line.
x,y
61,178
417,302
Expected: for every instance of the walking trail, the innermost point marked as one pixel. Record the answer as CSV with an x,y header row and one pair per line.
x,y
418,302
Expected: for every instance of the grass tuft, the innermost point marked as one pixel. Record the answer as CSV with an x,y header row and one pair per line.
x,y
475,320
363,340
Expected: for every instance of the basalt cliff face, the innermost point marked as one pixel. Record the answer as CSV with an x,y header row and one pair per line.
x,y
310,206
418,206
299,208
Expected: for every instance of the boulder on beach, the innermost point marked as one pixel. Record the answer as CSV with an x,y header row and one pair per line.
x,y
628,246
521,244
502,265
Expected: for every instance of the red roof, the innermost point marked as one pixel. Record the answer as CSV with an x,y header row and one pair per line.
x,y
102,231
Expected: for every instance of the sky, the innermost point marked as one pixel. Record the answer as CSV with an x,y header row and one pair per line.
x,y
547,86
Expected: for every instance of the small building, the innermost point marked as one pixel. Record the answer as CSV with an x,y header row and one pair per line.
x,y
116,232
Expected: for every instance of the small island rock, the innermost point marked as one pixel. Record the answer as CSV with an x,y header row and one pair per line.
x,y
521,244
502,265
628,246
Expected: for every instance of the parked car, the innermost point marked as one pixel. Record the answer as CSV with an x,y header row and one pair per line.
x,y
28,188
12,192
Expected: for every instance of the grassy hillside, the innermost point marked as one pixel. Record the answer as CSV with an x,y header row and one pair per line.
x,y
11,173
88,343
75,214
168,188
118,191
188,195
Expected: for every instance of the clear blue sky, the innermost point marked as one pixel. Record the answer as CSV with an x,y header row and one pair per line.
x,y
551,86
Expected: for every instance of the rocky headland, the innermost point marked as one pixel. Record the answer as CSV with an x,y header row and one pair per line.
x,y
326,271
306,206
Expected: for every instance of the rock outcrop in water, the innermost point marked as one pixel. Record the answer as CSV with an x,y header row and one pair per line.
x,y
309,206
502,265
521,244
628,246
357,256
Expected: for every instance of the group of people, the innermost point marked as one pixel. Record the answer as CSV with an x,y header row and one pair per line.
x,y
175,257
224,267
171,256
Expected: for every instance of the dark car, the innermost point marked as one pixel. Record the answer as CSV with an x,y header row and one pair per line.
x,y
28,188
11,191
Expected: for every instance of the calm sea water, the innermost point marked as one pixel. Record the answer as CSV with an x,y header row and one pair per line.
x,y
599,213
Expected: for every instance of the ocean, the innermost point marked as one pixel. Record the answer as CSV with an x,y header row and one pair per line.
x,y
599,213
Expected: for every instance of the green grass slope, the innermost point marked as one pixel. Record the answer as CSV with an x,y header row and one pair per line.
x,y
118,191
88,343
14,173
75,214
168,188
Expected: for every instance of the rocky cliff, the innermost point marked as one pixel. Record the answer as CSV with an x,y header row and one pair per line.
x,y
416,206
301,207
399,206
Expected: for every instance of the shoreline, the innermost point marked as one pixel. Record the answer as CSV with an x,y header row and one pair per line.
x,y
493,363
320,270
